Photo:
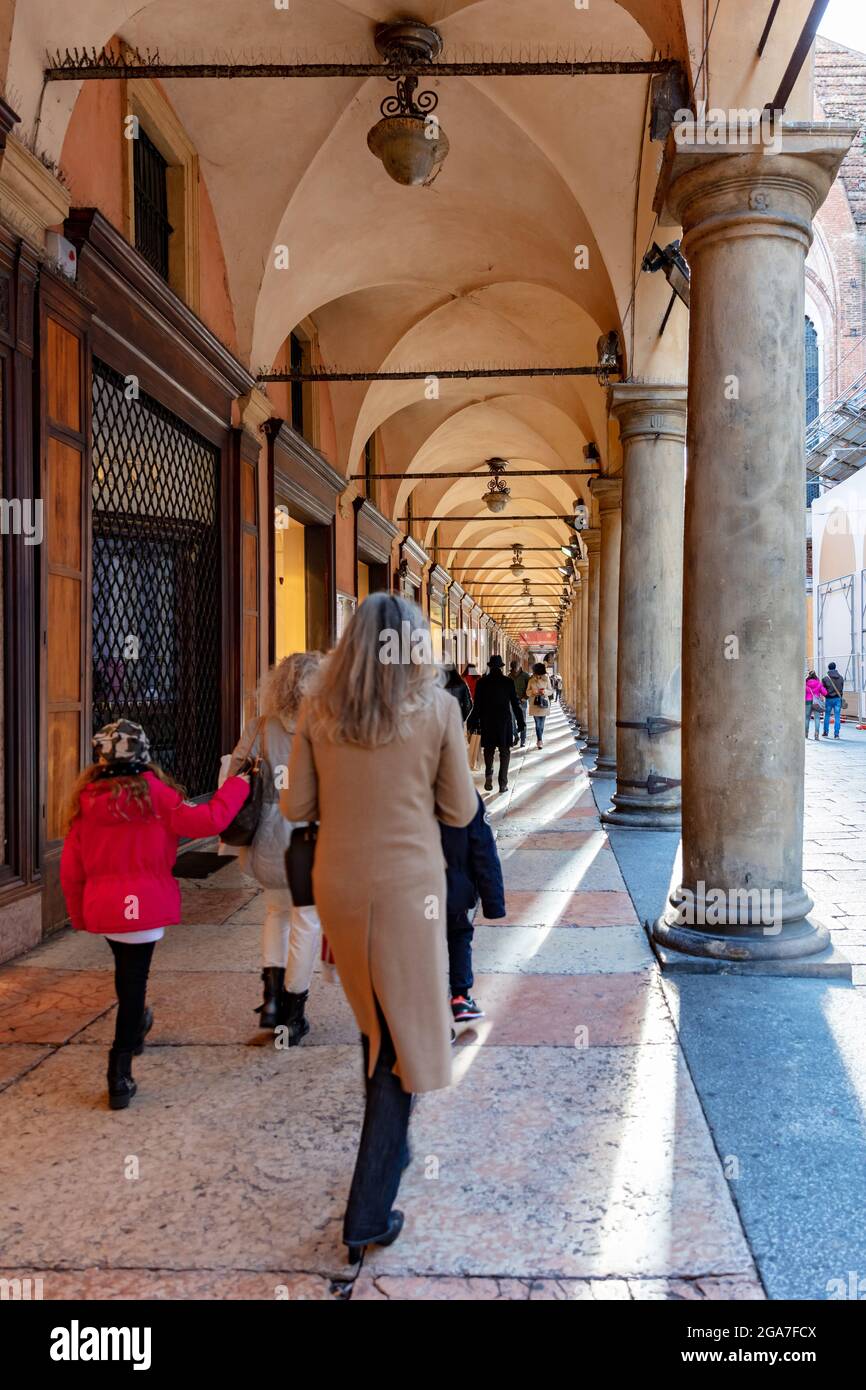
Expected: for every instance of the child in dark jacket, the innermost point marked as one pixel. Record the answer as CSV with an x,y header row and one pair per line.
x,y
473,871
116,871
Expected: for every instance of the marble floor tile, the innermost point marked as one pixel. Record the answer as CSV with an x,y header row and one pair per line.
x,y
48,1006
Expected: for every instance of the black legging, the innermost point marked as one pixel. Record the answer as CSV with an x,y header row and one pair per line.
x,y
131,967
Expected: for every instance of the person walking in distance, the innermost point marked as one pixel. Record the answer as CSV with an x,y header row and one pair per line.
x,y
815,693
125,818
834,683
290,935
539,692
379,759
456,685
520,679
495,703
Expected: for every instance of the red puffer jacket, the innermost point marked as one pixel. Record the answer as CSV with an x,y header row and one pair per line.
x,y
117,859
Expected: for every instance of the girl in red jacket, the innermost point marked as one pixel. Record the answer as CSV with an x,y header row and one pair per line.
x,y
125,819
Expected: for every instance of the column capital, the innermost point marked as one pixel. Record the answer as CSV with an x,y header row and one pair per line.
x,y
608,493
582,567
254,409
592,541
772,186
649,410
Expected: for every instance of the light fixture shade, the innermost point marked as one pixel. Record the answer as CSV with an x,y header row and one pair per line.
x,y
495,501
405,149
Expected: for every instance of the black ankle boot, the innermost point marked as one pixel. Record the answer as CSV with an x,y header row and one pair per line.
x,y
292,1016
273,977
357,1248
146,1025
121,1087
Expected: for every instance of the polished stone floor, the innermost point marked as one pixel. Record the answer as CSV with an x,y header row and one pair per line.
x,y
577,1155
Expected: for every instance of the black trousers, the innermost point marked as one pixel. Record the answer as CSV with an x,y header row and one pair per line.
x,y
460,933
131,968
384,1148
504,751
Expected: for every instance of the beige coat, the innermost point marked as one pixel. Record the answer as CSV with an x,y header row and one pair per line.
x,y
379,875
538,685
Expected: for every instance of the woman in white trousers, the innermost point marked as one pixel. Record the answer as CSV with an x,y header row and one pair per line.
x,y
291,935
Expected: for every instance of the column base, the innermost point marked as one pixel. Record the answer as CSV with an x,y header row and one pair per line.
x,y
644,817
800,947
604,767
591,743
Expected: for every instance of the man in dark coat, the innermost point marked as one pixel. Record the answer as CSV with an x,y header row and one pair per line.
x,y
495,702
472,871
835,685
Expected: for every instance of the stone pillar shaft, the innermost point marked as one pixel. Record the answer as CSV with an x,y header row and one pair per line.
x,y
746,219
652,424
608,492
582,672
592,540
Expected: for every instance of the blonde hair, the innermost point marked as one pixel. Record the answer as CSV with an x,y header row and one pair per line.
x,y
283,687
362,696
137,790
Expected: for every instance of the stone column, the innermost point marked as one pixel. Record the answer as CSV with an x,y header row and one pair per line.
x,y
582,673
746,214
652,427
592,541
608,493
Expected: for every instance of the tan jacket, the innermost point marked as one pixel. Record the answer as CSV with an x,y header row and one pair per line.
x,y
538,685
379,874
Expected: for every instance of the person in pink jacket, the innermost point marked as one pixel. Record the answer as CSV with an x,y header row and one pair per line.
x,y
126,816
815,692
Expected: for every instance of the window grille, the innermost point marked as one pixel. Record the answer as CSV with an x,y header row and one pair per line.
x,y
150,182
156,580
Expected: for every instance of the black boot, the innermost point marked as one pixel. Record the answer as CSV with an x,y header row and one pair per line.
x,y
121,1087
146,1025
292,1016
356,1248
273,977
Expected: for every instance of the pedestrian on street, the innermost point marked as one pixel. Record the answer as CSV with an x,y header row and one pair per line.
x,y
815,693
290,935
470,675
125,818
473,872
557,686
378,759
456,686
834,682
520,679
539,693
495,702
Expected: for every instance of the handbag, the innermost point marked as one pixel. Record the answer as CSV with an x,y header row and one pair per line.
x,y
299,863
242,830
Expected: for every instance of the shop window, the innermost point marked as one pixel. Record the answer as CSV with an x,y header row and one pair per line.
x,y
363,581
290,584
156,580
161,190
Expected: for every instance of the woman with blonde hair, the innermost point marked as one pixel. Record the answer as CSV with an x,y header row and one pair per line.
x,y
290,936
379,759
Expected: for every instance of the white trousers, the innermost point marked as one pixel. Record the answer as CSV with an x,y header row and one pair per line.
x,y
290,938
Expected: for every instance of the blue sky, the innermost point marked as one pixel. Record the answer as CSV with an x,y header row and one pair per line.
x,y
845,21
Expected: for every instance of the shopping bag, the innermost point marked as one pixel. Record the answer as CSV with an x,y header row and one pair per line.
x,y
474,751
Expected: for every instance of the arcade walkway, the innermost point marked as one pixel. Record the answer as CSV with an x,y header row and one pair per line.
x,y
571,1159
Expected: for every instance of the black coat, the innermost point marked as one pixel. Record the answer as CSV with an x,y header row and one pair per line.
x,y
495,702
834,683
472,867
456,686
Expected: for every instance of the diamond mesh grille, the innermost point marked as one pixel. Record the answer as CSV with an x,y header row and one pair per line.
x,y
156,579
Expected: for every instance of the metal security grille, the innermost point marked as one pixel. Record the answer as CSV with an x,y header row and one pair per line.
x,y
156,579
152,227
